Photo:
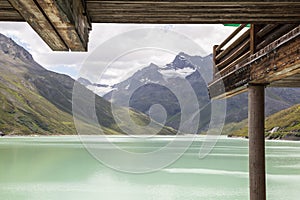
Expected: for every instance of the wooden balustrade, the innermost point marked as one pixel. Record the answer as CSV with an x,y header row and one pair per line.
x,y
229,55
250,58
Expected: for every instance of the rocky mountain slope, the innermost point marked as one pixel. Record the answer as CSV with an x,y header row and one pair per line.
x,y
151,84
34,100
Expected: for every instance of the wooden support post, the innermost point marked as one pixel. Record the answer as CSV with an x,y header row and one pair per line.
x,y
257,142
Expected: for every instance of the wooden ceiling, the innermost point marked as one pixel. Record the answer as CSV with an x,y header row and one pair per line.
x,y
180,11
65,24
8,13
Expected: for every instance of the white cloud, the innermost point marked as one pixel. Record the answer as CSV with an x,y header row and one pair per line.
x,y
70,62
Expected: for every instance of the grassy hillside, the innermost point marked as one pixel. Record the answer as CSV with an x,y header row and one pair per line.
x,y
23,110
284,124
34,100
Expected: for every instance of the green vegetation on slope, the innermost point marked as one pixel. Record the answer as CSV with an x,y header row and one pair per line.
x,y
284,124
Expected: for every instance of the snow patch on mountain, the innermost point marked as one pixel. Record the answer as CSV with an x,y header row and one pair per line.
x,y
100,90
147,80
174,73
180,57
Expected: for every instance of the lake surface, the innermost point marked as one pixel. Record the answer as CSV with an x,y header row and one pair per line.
x,y
55,168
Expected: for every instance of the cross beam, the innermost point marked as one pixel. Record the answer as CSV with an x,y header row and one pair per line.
x,y
62,24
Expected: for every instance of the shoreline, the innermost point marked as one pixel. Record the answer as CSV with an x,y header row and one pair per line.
x,y
286,138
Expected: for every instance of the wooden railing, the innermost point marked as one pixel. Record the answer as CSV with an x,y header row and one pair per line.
x,y
266,34
239,51
226,59
234,57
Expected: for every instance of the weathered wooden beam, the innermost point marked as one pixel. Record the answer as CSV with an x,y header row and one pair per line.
x,y
231,67
292,84
254,38
10,15
62,24
266,29
233,83
31,12
230,37
233,46
278,64
70,20
241,49
182,11
281,30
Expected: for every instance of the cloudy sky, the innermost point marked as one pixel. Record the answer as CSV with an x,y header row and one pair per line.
x,y
116,51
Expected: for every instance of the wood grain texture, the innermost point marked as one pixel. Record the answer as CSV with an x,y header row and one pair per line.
x,y
37,20
69,21
256,133
181,11
277,64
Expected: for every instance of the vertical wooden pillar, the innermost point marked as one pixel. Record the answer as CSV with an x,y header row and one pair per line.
x,y
254,37
256,116
215,61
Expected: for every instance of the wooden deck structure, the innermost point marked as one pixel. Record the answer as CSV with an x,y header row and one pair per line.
x,y
267,54
65,24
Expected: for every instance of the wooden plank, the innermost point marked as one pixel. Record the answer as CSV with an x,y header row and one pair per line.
x,y
233,83
206,9
5,4
254,39
191,12
188,20
10,15
282,63
292,84
232,93
69,20
240,51
236,43
39,22
203,15
281,30
186,12
231,36
266,29
229,68
195,2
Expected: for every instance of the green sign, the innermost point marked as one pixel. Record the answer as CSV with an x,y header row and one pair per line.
x,y
236,25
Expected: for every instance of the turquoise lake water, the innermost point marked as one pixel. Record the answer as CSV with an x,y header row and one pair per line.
x,y
60,168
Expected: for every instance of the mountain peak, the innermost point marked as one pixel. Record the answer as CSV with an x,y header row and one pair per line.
x,y
184,54
181,61
84,81
12,49
153,65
